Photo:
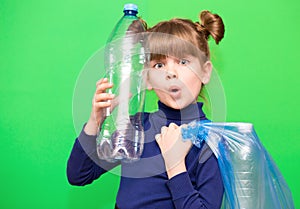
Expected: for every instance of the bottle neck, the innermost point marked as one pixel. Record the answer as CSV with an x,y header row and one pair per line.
x,y
130,12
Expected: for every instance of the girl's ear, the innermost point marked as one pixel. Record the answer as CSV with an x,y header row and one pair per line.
x,y
206,72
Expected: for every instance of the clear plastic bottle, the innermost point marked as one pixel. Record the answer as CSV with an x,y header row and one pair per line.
x,y
121,136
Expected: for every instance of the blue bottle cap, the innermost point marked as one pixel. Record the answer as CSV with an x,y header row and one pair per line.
x,y
130,7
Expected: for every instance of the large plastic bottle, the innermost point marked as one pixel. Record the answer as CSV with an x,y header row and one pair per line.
x,y
121,136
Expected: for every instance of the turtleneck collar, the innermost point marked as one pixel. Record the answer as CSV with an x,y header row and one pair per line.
x,y
189,113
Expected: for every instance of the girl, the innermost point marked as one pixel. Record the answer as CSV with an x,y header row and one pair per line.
x,y
171,173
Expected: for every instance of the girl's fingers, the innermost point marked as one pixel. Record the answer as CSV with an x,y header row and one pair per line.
x,y
101,105
184,126
157,137
103,97
163,130
102,80
102,85
173,125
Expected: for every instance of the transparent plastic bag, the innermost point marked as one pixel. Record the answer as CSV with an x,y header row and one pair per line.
x,y
250,176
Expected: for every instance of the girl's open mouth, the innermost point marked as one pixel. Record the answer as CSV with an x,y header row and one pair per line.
x,y
175,92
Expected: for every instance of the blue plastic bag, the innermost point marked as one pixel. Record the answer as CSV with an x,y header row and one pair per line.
x,y
250,176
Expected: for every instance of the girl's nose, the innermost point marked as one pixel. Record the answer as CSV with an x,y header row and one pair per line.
x,y
171,72
170,75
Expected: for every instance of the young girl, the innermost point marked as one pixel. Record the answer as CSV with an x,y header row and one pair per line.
x,y
171,173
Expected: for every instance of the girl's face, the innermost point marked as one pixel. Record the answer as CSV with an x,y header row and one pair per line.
x,y
177,82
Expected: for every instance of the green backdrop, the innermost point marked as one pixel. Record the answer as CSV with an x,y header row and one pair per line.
x,y
45,44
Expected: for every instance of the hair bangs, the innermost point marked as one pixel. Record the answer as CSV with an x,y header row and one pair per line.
x,y
165,45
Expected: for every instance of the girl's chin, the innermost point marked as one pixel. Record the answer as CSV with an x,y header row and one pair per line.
x,y
178,105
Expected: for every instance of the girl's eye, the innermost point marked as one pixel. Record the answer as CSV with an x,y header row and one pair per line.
x,y
184,62
158,65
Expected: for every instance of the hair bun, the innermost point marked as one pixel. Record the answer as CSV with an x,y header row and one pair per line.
x,y
211,24
200,27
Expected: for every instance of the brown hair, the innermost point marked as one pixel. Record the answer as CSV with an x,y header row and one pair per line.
x,y
192,33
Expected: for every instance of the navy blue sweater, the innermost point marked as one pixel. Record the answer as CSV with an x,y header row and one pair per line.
x,y
144,184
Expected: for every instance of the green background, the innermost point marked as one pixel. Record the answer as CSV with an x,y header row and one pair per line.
x,y
45,44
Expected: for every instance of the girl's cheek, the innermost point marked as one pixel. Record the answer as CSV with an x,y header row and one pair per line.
x,y
156,77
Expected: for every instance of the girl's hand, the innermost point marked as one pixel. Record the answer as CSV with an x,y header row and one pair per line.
x,y
173,149
101,101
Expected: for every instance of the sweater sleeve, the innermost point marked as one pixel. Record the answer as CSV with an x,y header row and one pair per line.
x,y
83,165
207,191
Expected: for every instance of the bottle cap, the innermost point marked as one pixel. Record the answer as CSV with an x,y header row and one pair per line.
x,y
130,7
